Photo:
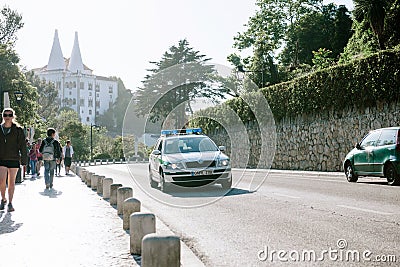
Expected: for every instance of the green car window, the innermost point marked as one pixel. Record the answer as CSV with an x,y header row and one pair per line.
x,y
388,137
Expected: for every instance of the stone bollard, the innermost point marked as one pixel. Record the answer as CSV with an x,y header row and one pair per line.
x,y
122,194
130,206
140,224
107,182
83,176
161,250
100,179
89,179
113,193
93,183
77,170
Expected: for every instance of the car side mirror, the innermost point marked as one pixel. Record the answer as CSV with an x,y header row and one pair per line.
x,y
358,146
222,148
156,152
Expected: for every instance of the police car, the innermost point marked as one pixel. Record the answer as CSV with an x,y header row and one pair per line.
x,y
187,157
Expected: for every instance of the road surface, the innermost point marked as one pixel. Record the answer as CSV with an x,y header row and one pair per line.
x,y
297,218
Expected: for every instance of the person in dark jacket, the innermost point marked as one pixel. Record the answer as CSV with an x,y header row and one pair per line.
x,y
13,154
50,157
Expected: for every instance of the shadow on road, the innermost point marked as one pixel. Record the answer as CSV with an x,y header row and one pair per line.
x,y
205,191
51,193
7,224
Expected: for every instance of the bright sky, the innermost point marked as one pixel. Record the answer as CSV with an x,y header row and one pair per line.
x,y
119,38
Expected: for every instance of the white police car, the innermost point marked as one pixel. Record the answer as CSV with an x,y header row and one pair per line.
x,y
187,157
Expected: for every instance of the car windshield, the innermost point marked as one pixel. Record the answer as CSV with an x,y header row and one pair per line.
x,y
188,145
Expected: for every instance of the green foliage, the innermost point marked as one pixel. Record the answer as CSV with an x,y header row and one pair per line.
x,y
361,83
299,27
322,59
179,77
113,118
47,100
327,28
392,22
10,23
373,12
12,80
363,43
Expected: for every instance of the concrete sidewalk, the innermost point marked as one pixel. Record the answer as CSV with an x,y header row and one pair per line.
x,y
69,225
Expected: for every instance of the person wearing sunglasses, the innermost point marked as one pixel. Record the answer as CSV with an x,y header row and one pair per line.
x,y
12,154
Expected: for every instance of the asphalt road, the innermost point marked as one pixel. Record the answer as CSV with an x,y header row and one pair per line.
x,y
296,218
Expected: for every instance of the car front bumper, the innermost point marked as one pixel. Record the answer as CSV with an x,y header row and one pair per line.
x,y
195,175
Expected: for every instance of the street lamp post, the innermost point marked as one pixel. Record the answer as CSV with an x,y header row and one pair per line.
x,y
91,139
18,97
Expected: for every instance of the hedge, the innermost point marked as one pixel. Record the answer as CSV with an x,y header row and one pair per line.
x,y
360,83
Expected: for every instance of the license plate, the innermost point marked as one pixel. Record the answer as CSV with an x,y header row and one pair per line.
x,y
203,172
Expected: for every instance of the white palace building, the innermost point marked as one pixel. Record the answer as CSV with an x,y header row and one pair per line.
x,y
78,88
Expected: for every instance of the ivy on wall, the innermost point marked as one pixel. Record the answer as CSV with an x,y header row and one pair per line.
x,y
360,83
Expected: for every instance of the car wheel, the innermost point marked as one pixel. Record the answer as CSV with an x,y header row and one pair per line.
x,y
153,183
226,184
350,175
391,175
163,184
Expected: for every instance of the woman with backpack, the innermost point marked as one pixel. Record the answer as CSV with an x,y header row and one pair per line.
x,y
50,149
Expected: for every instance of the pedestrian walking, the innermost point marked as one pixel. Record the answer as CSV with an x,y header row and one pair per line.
x,y
50,149
27,168
12,155
59,163
33,159
39,162
68,153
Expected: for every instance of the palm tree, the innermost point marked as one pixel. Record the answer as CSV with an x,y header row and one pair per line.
x,y
373,11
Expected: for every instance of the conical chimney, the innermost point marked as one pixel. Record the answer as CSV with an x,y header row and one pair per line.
x,y
75,62
56,59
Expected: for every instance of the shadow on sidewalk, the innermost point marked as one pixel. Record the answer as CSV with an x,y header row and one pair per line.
x,y
7,224
51,193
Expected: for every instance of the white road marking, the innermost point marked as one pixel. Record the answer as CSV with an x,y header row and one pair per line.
x,y
366,210
283,195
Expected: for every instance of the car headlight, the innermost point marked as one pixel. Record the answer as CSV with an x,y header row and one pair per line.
x,y
223,163
174,166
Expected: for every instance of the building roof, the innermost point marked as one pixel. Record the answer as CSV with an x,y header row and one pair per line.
x,y
56,59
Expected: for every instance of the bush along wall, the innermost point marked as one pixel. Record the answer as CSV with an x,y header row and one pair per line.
x,y
319,117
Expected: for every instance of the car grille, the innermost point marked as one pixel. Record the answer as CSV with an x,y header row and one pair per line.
x,y
212,177
204,164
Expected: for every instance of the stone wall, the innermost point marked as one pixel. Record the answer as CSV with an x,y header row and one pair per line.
x,y
317,142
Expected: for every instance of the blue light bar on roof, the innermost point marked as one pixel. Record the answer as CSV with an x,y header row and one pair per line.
x,y
183,131
193,130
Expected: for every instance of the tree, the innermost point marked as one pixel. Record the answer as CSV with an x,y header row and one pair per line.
x,y
372,11
327,28
10,23
267,32
47,100
113,118
180,76
392,22
12,80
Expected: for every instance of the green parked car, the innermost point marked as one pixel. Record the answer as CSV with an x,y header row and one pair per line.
x,y
378,154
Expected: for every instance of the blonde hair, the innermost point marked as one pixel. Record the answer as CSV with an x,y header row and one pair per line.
x,y
14,120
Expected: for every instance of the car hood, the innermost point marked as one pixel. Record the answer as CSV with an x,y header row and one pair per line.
x,y
194,156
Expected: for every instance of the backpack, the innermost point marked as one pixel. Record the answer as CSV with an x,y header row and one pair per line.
x,y
48,150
